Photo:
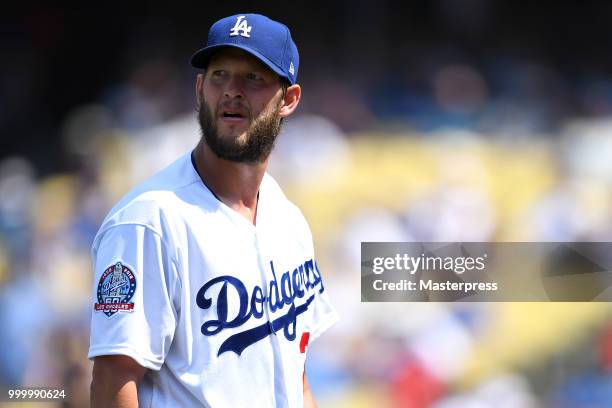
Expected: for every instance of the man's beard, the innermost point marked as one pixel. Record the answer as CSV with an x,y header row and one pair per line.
x,y
260,136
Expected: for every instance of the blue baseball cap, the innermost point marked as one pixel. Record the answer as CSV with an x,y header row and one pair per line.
x,y
266,39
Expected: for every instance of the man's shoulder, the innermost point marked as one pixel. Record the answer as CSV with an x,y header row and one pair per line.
x,y
276,194
283,205
154,198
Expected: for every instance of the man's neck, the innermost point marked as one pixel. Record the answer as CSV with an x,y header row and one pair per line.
x,y
235,184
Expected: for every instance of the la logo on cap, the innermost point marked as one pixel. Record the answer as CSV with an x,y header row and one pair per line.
x,y
241,27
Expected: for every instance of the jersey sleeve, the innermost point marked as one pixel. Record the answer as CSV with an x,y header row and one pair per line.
x,y
133,311
324,314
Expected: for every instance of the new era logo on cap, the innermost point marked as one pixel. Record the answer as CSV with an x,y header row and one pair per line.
x,y
266,39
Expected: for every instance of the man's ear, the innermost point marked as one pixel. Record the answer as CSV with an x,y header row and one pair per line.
x,y
198,88
291,100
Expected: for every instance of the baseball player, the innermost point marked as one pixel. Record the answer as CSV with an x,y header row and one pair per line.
x,y
206,288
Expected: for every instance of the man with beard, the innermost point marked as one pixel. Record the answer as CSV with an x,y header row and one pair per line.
x,y
220,293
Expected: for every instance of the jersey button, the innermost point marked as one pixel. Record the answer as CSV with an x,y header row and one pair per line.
x,y
271,327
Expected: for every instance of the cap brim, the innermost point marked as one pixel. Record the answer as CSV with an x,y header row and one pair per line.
x,y
202,57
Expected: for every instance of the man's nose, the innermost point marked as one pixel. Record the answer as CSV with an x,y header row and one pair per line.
x,y
234,87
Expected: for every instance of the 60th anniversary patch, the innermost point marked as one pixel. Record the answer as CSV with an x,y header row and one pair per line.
x,y
115,290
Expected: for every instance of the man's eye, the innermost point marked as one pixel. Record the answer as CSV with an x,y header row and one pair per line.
x,y
254,77
219,73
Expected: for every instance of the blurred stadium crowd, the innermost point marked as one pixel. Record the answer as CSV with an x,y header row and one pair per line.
x,y
440,146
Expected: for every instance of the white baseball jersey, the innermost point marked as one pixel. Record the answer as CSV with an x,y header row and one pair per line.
x,y
220,311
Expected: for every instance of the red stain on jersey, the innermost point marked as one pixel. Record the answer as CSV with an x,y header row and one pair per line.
x,y
304,341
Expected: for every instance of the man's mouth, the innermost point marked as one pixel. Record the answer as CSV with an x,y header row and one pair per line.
x,y
232,116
